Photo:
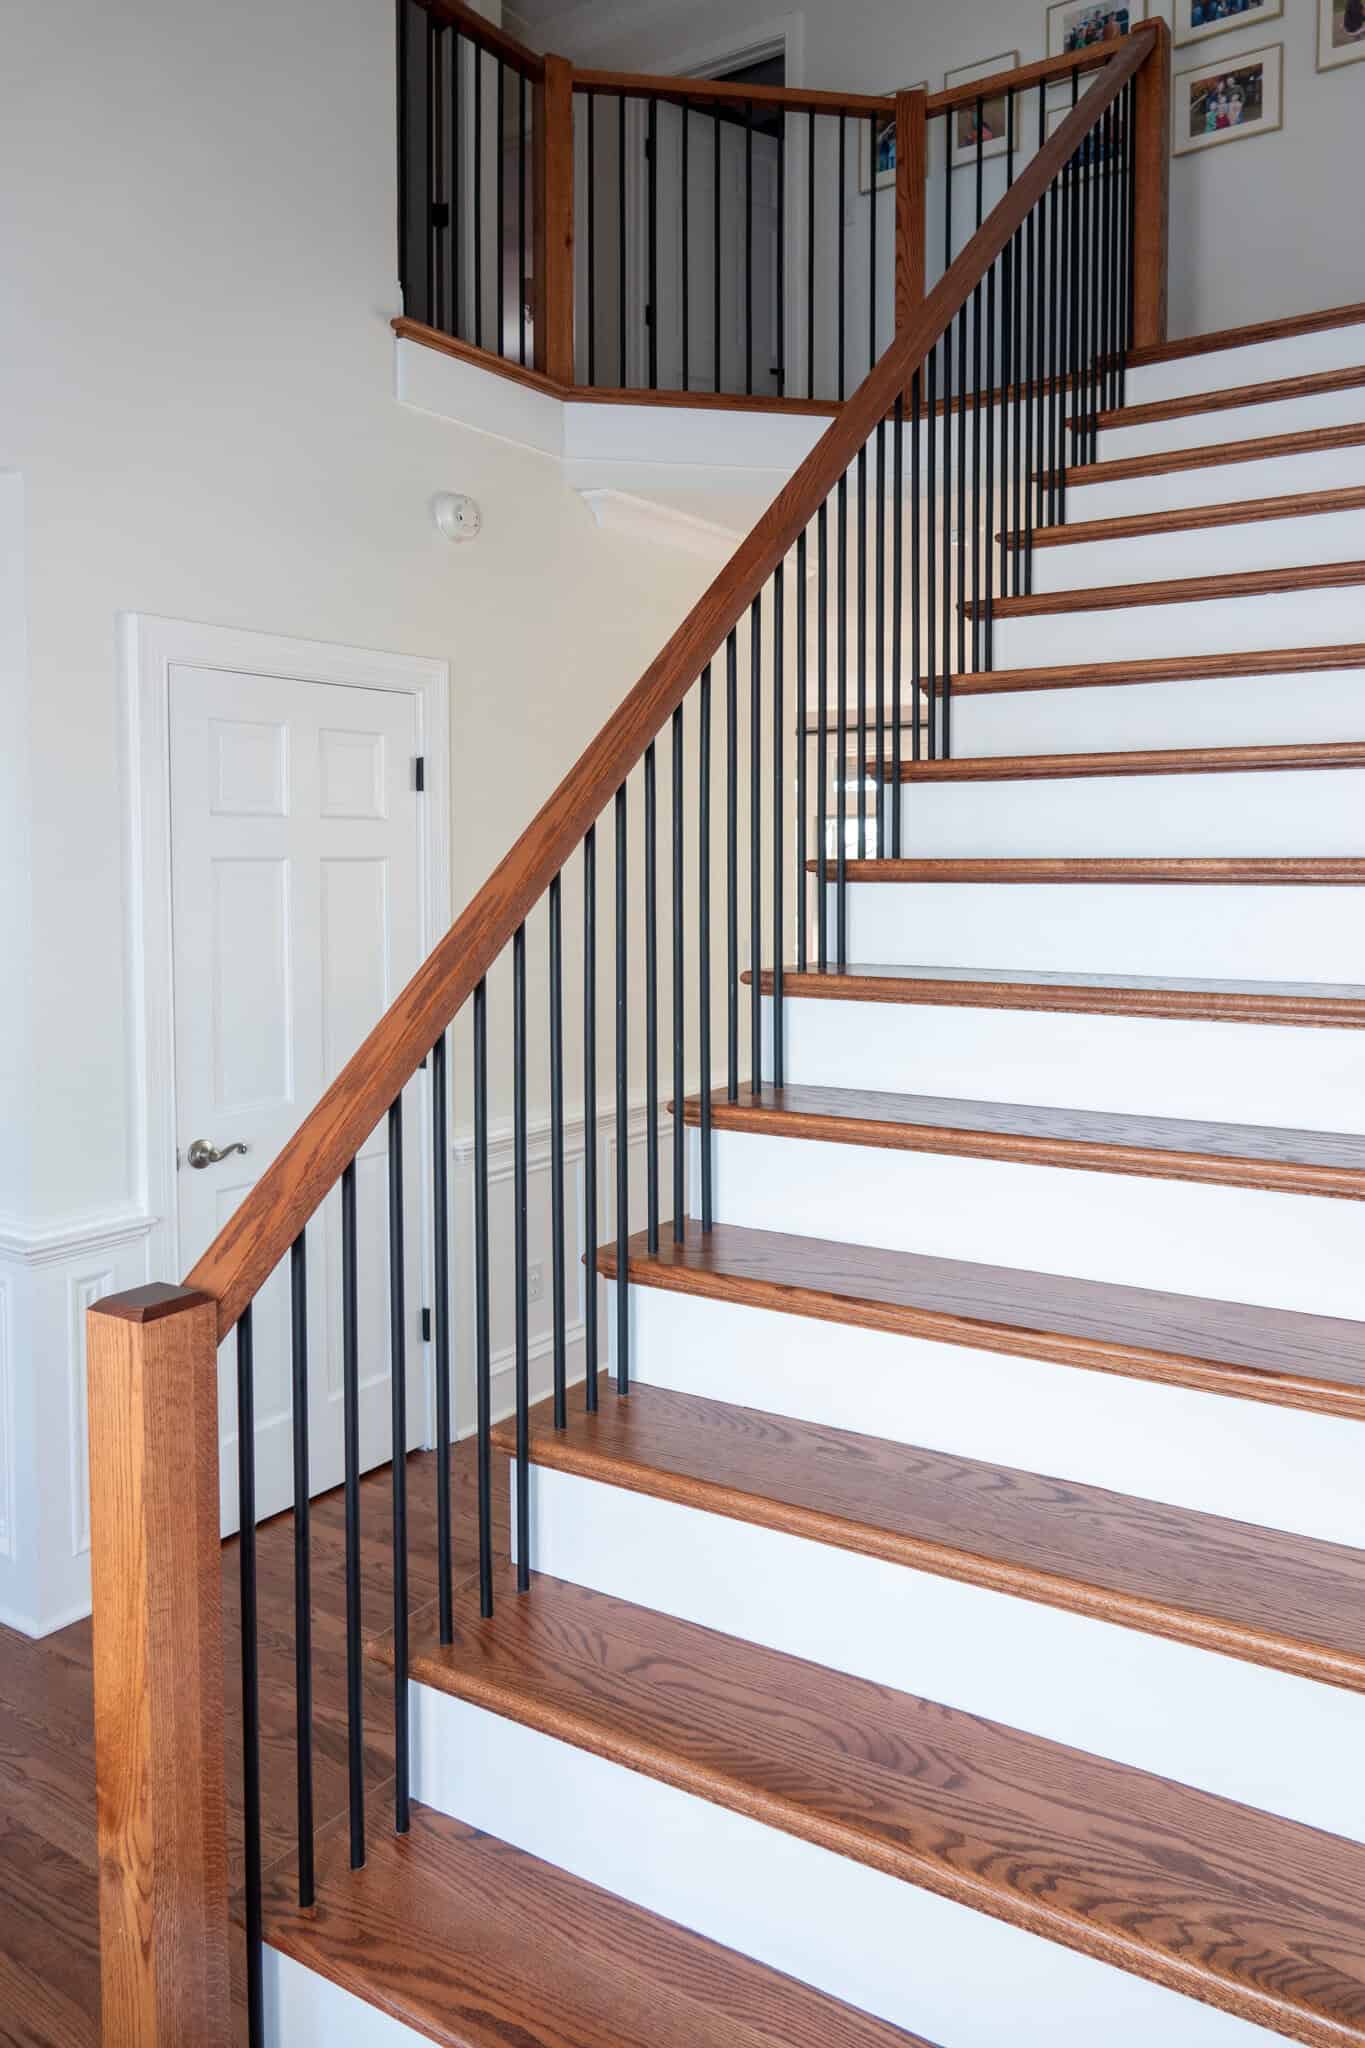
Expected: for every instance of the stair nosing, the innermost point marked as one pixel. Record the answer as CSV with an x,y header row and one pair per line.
x,y
1191,871
1163,668
1183,518
1215,589
1251,335
1132,761
1231,398
1215,455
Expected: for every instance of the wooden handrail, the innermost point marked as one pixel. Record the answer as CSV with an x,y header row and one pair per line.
x,y
718,91
497,42
1045,71
258,1235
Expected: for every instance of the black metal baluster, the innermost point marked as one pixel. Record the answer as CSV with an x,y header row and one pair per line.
x,y
961,530
590,1282
840,297
440,1268
457,219
398,1393
557,1259
932,515
679,957
303,1595
715,242
501,211
520,1267
621,236
781,255
841,730
521,217
622,1110
592,238
810,254
651,1005
871,239
994,411
749,247
350,1384
802,753
251,1686
860,642
704,939
779,842
401,130
652,170
437,214
897,603
477,53
685,113
755,849
879,645
822,738
732,867
916,658
946,650
483,1361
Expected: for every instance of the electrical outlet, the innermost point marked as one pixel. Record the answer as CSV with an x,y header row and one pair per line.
x,y
535,1283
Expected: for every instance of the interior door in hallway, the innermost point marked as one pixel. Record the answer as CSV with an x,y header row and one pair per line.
x,y
295,861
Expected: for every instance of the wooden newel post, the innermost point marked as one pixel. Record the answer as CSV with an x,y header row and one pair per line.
x,y
553,257
911,200
158,1655
1152,178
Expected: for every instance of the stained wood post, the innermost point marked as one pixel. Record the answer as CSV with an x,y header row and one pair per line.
x,y
158,1657
911,201
1152,178
553,258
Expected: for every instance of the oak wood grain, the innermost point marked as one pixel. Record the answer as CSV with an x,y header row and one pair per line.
x,y
1216,454
1245,337
1194,518
476,1944
1165,668
1293,871
1151,190
694,92
1233,1348
158,1668
912,148
1155,1147
1041,71
554,221
1284,1601
1135,761
1275,391
1256,1915
1114,597
259,1232
1330,1005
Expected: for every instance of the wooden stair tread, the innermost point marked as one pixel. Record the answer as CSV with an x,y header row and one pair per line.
x,y
1273,1355
1275,391
1245,337
1257,1915
1019,988
1178,590
1162,668
1261,1595
1135,761
1165,1148
1286,871
475,1944
1215,454
1189,518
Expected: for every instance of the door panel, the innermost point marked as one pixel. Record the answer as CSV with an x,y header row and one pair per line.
x,y
295,913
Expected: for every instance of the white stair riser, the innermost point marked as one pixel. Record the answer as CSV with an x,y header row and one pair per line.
x,y
1234,1244
1238,423
1287,1745
1218,711
304,2010
1261,362
1218,625
1249,1461
1261,811
1259,932
855,1933
1274,476
1306,1077
1208,551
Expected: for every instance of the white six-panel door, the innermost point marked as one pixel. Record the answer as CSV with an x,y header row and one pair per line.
x,y
296,921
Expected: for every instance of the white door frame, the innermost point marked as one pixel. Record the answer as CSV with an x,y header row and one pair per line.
x,y
149,647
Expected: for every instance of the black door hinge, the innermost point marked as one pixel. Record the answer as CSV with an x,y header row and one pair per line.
x,y
419,771
426,1326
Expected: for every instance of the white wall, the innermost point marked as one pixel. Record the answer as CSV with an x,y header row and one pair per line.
x,y
1260,228
196,377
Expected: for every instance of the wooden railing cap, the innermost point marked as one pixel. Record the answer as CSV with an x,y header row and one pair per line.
x,y
149,1304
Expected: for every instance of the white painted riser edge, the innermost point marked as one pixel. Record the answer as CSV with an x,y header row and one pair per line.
x,y
1233,1244
1224,711
1264,812
1280,1468
1238,423
917,1961
1205,930
1208,551
1261,362
1280,1743
1323,469
304,2010
1301,1078
1220,625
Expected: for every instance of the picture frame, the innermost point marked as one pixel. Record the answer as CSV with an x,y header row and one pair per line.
x,y
1341,33
962,137
1194,21
1214,103
885,146
1084,24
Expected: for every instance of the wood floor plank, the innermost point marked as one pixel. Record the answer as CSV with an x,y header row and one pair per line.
x,y
1273,1355
1099,1141
1317,1004
477,1945
1259,1594
1256,1915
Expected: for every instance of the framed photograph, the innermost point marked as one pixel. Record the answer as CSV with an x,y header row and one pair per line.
x,y
877,156
1080,24
1195,20
1215,103
1095,153
1341,33
992,114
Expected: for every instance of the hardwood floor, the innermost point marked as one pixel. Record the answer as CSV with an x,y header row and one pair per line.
x,y
49,1957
